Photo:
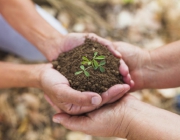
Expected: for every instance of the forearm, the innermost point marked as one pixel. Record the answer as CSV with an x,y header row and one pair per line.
x,y
22,15
151,123
17,75
163,68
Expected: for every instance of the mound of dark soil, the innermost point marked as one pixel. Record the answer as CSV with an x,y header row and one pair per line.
x,y
69,63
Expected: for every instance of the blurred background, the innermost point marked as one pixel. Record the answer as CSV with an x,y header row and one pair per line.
x,y
25,115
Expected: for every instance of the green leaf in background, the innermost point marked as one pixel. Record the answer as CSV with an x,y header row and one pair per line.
x,y
78,72
100,57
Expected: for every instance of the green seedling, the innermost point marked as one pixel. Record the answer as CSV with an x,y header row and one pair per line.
x,y
92,63
101,64
82,70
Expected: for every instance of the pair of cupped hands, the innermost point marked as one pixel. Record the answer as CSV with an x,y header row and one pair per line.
x,y
69,102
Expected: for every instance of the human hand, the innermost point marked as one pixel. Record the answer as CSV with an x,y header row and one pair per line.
x,y
137,59
127,118
111,120
62,96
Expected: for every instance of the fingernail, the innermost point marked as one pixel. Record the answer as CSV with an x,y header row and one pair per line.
x,y
95,100
56,120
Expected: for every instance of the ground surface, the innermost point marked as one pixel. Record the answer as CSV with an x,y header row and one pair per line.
x,y
25,115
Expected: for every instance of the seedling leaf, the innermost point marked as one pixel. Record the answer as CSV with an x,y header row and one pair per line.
x,y
102,69
95,64
84,62
89,63
85,58
78,72
101,57
103,62
86,73
95,54
82,67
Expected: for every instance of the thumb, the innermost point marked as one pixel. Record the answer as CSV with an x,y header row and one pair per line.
x,y
69,95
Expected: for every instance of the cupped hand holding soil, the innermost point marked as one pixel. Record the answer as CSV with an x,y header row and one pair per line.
x,y
90,67
59,92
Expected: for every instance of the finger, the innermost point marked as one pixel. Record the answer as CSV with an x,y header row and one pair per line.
x,y
51,103
128,80
105,42
117,97
77,123
76,110
59,87
113,92
132,83
69,95
78,39
123,68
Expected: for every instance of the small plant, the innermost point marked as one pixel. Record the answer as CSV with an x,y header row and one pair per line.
x,y
82,70
92,63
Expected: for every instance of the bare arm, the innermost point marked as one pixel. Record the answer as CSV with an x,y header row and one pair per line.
x,y
152,123
164,67
16,75
127,118
159,68
22,15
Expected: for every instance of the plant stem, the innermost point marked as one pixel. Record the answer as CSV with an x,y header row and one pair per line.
x,y
88,67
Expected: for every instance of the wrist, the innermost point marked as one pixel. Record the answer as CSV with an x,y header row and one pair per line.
x,y
150,71
130,112
135,112
50,45
35,75
147,70
19,75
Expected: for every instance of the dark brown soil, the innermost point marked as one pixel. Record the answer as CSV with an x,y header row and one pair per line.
x,y
69,63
